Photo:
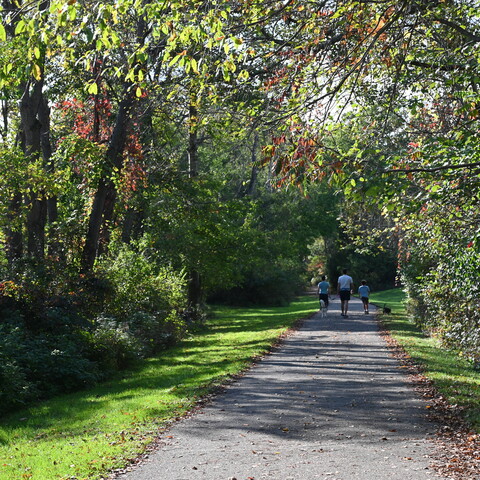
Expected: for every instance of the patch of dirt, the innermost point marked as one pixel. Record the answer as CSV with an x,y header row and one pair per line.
x,y
458,446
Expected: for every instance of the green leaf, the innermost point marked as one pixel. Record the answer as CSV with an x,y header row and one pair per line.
x,y
174,60
20,27
194,65
93,89
243,75
3,33
37,72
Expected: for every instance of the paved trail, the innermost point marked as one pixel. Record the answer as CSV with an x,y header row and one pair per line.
x,y
331,403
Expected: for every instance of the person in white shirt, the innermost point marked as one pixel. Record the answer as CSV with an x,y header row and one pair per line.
x,y
345,288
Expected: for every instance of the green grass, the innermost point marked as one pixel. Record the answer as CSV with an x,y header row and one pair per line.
x,y
454,377
86,434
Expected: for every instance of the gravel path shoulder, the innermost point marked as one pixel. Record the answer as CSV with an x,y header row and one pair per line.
x,y
330,403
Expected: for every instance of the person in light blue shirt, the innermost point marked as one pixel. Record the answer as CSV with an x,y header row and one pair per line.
x,y
323,288
364,292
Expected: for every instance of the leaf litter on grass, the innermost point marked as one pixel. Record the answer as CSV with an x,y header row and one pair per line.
x,y
458,446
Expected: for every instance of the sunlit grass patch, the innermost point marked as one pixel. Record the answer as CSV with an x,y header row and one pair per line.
x,y
86,434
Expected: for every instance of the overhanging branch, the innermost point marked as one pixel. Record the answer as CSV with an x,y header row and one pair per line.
x,y
433,169
469,35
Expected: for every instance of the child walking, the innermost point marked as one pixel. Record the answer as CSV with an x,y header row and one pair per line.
x,y
323,288
364,292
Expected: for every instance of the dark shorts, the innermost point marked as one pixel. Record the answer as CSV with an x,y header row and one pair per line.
x,y
324,297
344,295
364,299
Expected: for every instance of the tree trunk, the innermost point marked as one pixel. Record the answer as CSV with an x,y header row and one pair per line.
x,y
106,194
30,106
132,226
13,233
54,248
194,281
14,237
107,220
94,225
193,142
105,198
195,292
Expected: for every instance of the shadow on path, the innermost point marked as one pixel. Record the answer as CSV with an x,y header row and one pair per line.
x,y
329,403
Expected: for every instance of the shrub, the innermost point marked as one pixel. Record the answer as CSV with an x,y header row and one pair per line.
x,y
266,286
443,290
16,389
112,346
152,331
147,298
39,365
57,363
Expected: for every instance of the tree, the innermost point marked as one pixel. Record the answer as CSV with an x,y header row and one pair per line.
x,y
417,63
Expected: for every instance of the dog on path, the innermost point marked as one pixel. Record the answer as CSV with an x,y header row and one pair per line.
x,y
323,308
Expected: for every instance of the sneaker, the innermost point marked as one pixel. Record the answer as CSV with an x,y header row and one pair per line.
x,y
366,312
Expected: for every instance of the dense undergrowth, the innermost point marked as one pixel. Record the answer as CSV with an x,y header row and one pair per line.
x,y
60,333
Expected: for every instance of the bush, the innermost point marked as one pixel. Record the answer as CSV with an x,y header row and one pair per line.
x,y
57,364
148,299
152,331
112,346
16,389
444,294
39,365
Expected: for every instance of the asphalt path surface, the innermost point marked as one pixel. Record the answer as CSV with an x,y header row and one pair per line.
x,y
330,403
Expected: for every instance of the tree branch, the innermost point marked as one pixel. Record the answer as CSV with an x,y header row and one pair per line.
x,y
459,29
444,68
433,169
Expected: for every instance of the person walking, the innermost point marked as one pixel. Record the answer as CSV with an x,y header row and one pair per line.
x,y
364,293
345,289
323,288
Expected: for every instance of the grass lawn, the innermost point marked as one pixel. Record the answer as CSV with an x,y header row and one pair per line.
x,y
454,377
86,434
